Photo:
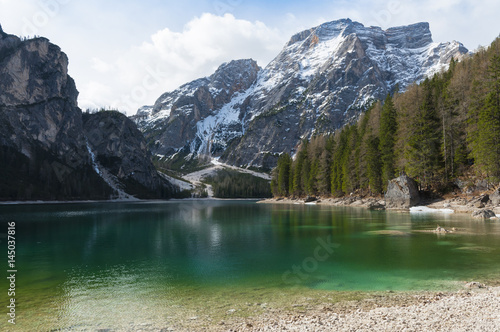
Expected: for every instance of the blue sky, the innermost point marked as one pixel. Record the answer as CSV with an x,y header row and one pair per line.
x,y
126,53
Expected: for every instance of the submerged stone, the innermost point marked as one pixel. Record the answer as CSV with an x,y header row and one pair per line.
x,y
483,214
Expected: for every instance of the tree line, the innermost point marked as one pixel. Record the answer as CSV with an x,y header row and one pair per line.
x,y
228,183
445,128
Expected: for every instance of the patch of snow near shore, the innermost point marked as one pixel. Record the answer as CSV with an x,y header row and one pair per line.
x,y
425,209
218,164
183,185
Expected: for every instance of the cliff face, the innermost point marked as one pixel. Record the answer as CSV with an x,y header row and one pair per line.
x,y
44,152
120,150
322,79
43,149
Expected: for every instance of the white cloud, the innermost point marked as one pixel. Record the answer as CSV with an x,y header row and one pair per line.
x,y
109,71
171,58
100,65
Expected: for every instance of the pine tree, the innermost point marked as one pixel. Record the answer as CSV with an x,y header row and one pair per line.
x,y
323,178
284,165
374,165
388,129
300,170
423,155
312,188
305,173
339,149
350,181
486,145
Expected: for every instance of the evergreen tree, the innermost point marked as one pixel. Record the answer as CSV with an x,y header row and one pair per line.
x,y
374,164
284,165
305,173
424,155
486,144
338,156
388,128
350,181
300,170
323,178
312,187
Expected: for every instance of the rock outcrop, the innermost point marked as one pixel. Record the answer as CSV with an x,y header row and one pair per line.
x,y
495,197
402,193
322,79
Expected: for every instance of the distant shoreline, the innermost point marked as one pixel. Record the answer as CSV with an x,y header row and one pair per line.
x,y
465,205
457,204
127,201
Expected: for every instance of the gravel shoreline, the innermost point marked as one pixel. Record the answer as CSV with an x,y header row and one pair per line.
x,y
472,310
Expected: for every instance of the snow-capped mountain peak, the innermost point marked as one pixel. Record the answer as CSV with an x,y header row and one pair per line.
x,y
323,77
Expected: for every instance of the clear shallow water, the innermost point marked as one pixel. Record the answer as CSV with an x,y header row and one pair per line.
x,y
120,265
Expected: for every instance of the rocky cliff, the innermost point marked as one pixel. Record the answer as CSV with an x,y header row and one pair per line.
x,y
43,148
121,155
322,79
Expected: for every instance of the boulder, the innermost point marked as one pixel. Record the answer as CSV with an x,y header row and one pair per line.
x,y
402,193
495,197
484,199
310,199
471,186
483,214
376,206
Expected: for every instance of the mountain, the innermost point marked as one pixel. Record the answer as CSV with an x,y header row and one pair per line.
x,y
443,133
186,115
44,150
322,79
121,157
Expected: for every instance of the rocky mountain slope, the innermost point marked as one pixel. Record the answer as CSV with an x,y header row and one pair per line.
x,y
121,157
185,116
322,79
44,151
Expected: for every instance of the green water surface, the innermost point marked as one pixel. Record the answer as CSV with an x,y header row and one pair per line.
x,y
109,266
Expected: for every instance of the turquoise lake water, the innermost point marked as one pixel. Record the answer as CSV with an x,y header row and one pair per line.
x,y
116,265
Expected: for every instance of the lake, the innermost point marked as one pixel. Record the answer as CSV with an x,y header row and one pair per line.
x,y
129,265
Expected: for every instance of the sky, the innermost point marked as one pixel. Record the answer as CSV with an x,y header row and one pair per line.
x,y
125,54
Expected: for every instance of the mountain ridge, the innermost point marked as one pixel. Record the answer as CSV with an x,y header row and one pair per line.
x,y
322,79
